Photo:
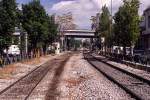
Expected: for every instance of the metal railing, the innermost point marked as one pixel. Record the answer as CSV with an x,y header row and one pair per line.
x,y
133,59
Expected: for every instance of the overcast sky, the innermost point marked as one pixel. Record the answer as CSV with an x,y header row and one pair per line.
x,y
82,10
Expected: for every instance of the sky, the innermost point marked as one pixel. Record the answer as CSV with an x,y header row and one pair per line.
x,y
82,10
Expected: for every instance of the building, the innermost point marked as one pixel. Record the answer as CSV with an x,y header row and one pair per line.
x,y
97,20
65,22
145,30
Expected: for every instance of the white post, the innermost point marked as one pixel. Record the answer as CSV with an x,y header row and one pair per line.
x,y
26,42
19,42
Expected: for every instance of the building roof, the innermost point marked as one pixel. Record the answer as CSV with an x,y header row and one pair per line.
x,y
147,9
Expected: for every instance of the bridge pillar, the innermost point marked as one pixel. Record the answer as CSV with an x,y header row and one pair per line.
x,y
65,43
62,42
91,42
68,43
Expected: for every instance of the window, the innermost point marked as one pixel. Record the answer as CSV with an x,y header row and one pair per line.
x,y
148,21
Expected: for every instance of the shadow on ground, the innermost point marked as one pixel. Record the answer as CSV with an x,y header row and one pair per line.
x,y
52,92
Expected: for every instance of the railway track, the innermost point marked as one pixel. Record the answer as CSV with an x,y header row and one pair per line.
x,y
137,87
21,89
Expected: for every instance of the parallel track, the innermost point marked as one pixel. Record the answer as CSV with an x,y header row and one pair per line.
x,y
22,88
137,87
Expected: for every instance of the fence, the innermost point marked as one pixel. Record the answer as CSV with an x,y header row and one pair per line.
x,y
143,60
10,59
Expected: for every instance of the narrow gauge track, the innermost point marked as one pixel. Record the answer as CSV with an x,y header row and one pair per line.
x,y
137,87
21,89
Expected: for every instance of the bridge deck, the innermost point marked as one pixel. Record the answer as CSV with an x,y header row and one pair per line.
x,y
79,33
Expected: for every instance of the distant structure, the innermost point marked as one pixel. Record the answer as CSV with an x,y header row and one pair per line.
x,y
95,22
66,22
145,30
93,25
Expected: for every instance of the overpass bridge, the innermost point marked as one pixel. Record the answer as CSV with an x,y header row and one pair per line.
x,y
65,35
78,33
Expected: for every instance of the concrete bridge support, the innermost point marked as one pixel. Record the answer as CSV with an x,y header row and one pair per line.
x,y
67,34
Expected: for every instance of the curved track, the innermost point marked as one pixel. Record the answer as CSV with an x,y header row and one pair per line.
x,y
137,87
22,88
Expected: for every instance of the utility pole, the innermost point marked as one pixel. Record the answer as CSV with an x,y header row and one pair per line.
x,y
111,23
111,17
111,7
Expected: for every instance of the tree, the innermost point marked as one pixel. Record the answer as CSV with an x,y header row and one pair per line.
x,y
120,27
134,23
126,26
7,21
51,36
35,22
104,25
41,27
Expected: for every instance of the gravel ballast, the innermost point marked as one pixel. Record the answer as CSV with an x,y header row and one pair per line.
x,y
75,80
81,81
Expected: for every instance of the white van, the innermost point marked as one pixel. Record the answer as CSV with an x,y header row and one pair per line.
x,y
13,50
57,47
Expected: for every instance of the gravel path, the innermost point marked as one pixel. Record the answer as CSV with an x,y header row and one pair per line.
x,y
81,81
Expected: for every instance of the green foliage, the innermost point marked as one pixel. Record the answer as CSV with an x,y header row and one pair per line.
x,y
126,26
7,21
121,27
52,36
39,26
105,25
104,21
134,22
